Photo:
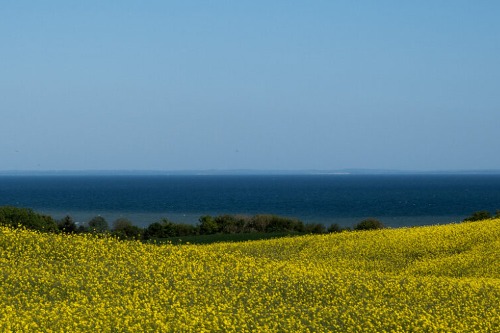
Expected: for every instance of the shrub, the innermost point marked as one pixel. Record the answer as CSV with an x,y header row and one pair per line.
x,y
123,229
231,224
315,228
274,223
165,229
334,228
98,224
67,225
478,216
154,230
258,223
369,224
183,229
25,217
207,225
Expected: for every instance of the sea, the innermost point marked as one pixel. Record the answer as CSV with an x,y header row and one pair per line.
x,y
345,199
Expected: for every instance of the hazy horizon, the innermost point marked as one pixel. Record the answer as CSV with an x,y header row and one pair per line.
x,y
216,172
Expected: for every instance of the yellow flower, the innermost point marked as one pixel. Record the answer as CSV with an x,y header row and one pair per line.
x,y
428,279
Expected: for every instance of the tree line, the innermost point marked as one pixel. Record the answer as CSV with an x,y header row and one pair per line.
x,y
207,225
164,228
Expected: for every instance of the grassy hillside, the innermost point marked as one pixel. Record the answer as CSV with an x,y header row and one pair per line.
x,y
426,279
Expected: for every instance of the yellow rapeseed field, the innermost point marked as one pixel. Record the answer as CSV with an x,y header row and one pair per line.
x,y
426,279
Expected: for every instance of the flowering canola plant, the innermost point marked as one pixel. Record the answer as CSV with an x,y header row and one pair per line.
x,y
425,279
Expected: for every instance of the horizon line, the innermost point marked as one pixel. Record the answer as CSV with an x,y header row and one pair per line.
x,y
346,171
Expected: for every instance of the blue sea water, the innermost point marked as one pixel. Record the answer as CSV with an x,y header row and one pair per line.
x,y
397,200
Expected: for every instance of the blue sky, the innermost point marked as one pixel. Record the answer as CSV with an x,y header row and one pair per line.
x,y
185,85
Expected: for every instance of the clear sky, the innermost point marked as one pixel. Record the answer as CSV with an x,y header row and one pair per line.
x,y
185,85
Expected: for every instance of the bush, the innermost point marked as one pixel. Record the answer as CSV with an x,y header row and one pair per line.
x,y
369,224
154,230
165,229
231,224
25,217
98,224
258,223
478,216
278,224
183,229
274,223
207,225
67,225
315,228
334,228
123,229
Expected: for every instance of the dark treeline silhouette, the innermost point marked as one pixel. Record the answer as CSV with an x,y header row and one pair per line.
x,y
482,215
123,228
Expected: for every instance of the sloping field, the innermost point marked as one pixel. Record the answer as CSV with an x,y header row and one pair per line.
x,y
426,279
